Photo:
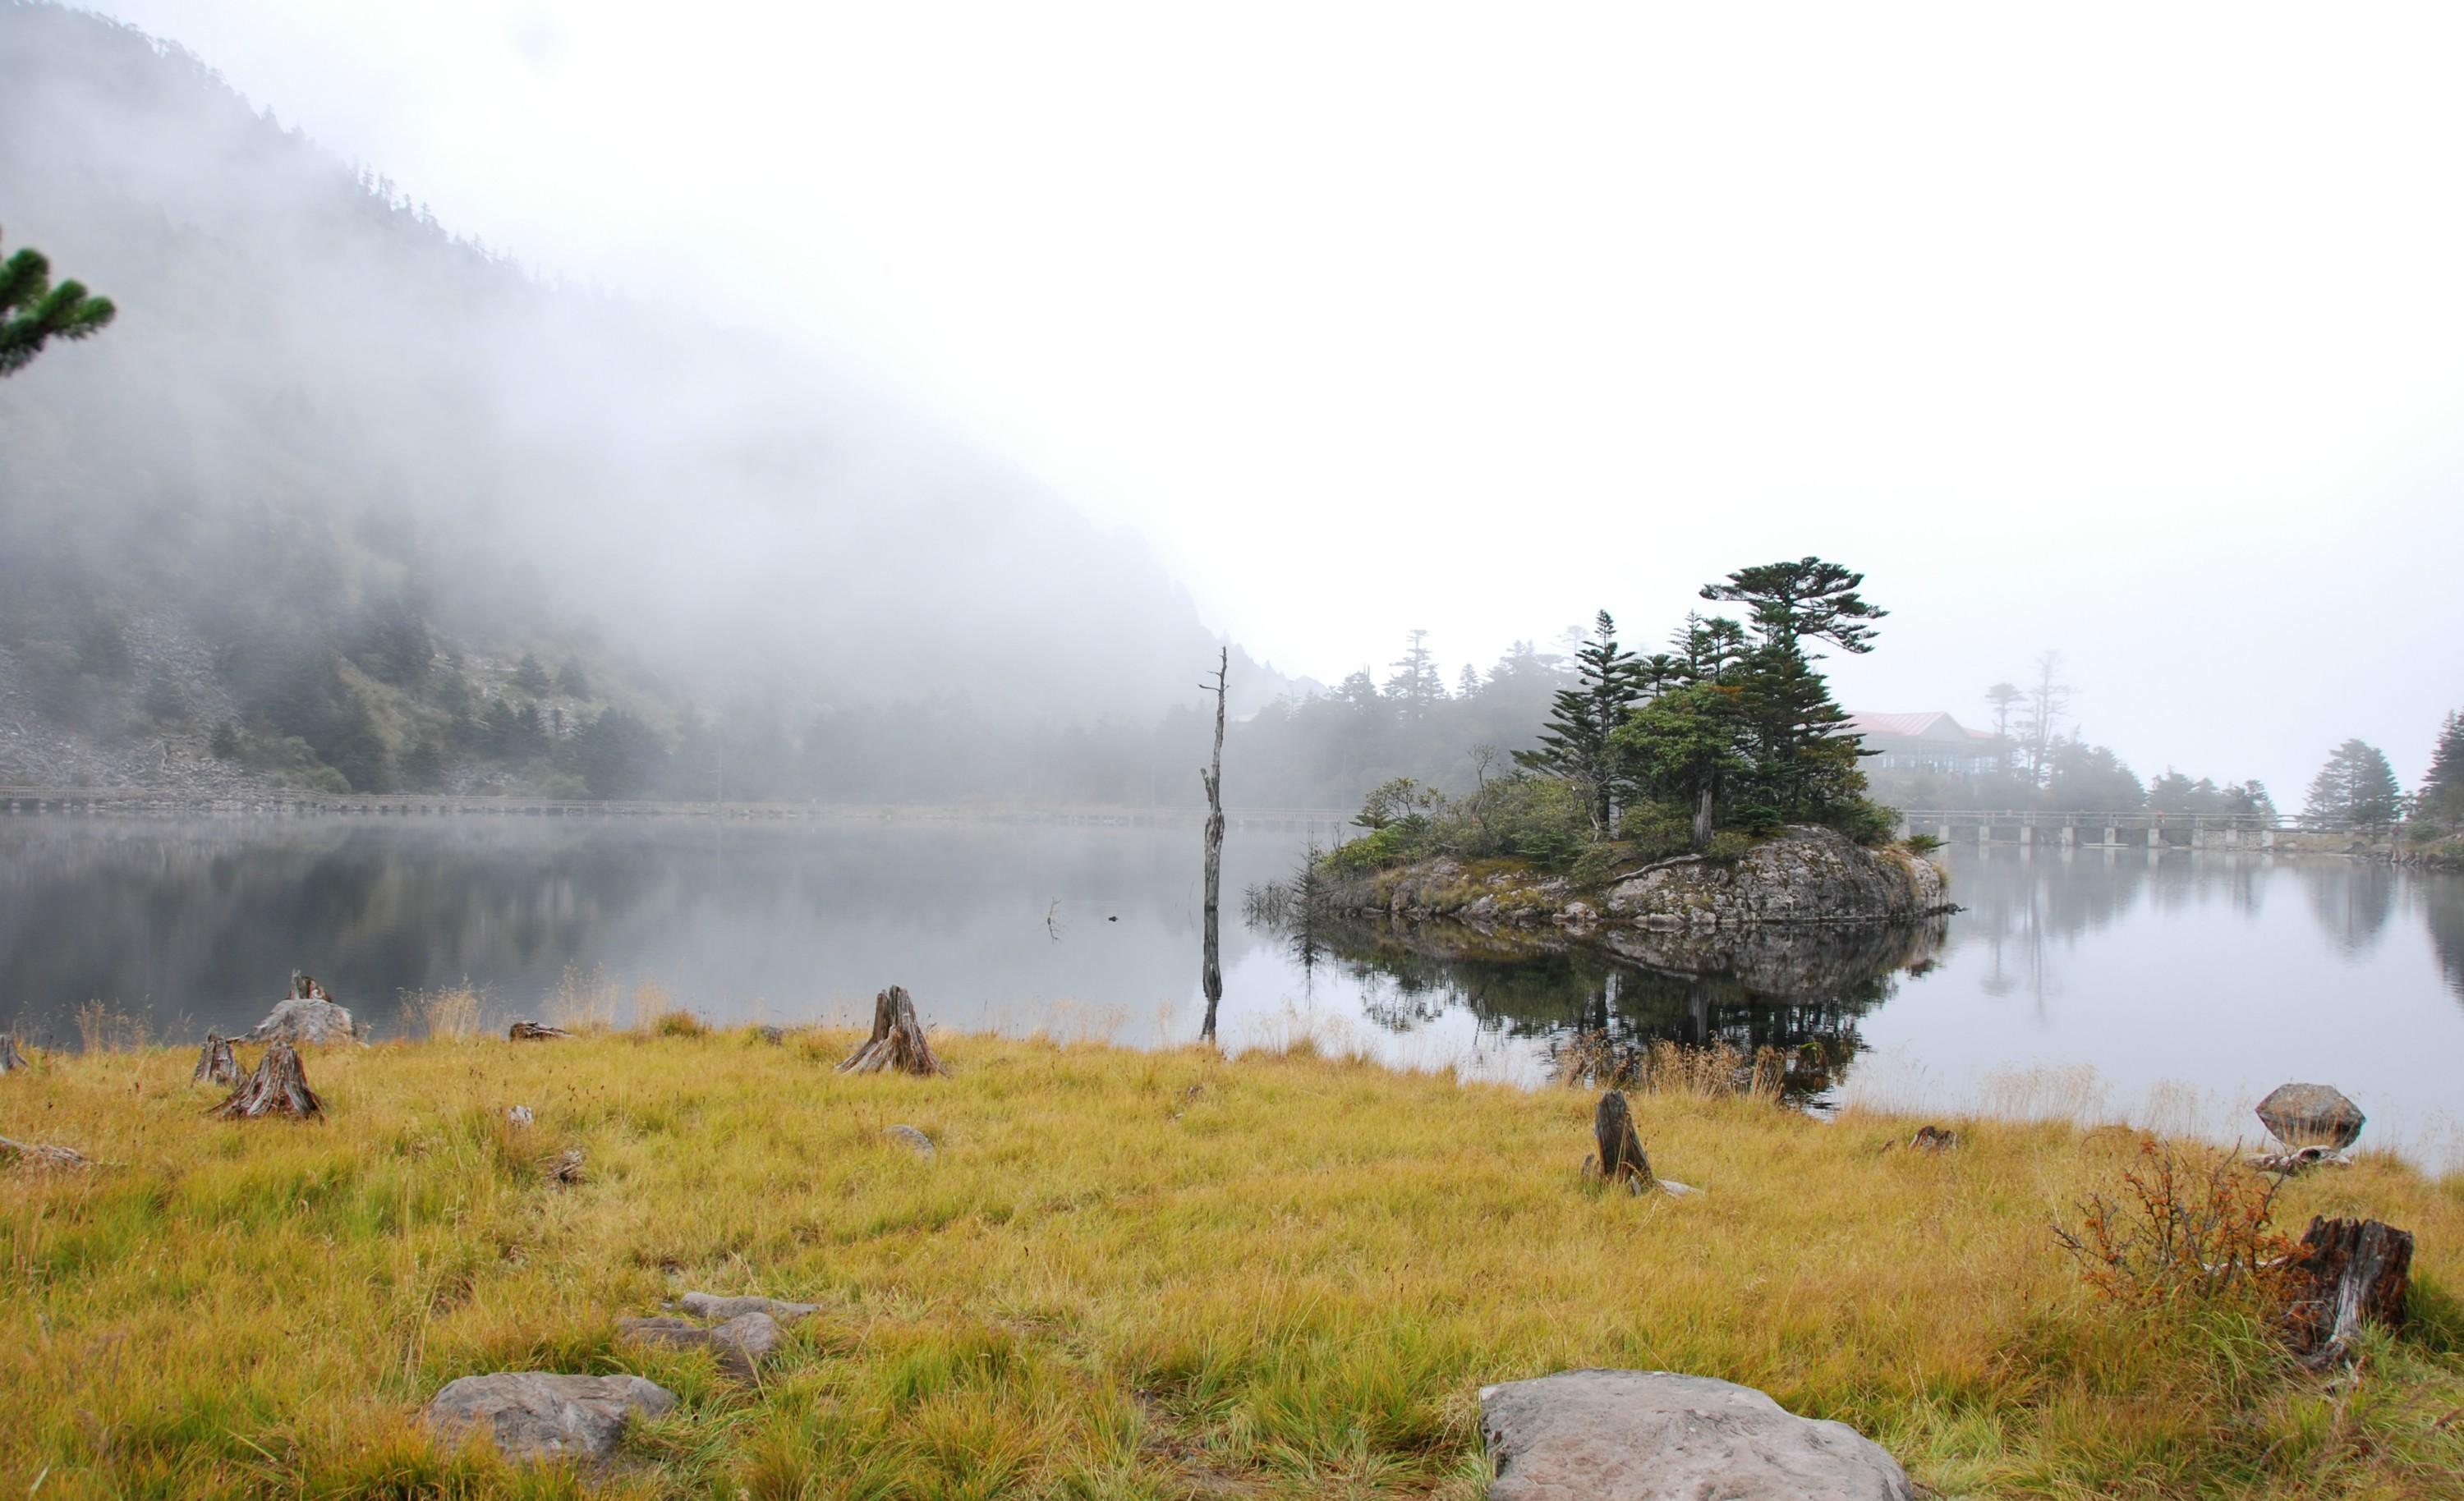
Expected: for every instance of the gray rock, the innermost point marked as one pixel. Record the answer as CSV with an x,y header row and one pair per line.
x,y
709,1305
1660,1436
535,1415
297,1021
2311,1115
739,1346
917,1141
1806,875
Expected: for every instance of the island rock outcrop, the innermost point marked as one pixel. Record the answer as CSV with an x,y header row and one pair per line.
x,y
1805,876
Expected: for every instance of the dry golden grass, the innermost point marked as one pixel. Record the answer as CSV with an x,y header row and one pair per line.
x,y
1124,1274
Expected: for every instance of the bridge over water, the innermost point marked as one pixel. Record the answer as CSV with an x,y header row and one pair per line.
x,y
2108,831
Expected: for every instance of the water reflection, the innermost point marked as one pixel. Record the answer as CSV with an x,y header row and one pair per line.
x,y
1801,991
2225,973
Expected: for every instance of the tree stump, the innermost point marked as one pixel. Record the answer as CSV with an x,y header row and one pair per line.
x,y
10,1059
1621,1157
898,1042
2345,1271
279,1087
304,987
215,1064
533,1031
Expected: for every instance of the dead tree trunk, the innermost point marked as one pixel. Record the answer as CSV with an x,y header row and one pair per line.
x,y
2345,1271
10,1059
1211,969
38,1157
279,1087
1621,1157
898,1042
215,1064
304,987
533,1031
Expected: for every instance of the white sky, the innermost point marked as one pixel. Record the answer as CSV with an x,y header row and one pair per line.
x,y
2137,333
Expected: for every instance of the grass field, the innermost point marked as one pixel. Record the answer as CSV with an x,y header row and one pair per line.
x,y
1125,1274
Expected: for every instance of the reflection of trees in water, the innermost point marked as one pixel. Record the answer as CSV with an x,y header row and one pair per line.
x,y
2352,900
2022,907
1799,990
2442,908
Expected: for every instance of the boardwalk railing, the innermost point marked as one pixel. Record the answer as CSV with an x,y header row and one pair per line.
x,y
138,799
2136,830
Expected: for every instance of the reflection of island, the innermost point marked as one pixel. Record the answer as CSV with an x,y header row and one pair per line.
x,y
1798,989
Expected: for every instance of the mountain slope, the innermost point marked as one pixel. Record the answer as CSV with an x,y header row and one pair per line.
x,y
360,467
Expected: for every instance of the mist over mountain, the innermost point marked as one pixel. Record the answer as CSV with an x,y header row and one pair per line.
x,y
335,472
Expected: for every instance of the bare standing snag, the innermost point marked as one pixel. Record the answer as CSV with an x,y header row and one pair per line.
x,y
1211,968
898,1042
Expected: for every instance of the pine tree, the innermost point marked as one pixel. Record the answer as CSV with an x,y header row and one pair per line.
x,y
1808,600
32,312
2441,795
1575,743
2356,789
1415,680
530,677
1467,682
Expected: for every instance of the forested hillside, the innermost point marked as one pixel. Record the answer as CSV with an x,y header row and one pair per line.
x,y
342,499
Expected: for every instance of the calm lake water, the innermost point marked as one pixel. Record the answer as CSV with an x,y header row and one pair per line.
x,y
2172,990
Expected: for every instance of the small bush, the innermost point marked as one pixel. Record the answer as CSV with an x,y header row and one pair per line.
x,y
1921,844
679,1023
2185,1222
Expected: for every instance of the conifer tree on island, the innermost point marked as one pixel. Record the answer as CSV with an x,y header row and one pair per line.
x,y
32,312
1574,745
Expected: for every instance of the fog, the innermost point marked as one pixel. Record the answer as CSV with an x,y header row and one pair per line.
x,y
896,349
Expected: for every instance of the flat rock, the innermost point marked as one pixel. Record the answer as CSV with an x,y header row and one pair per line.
x,y
2311,1115
536,1415
297,1021
917,1141
1660,1436
710,1305
739,1346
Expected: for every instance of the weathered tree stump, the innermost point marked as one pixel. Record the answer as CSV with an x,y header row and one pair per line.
x,y
1621,1157
215,1064
39,1158
10,1059
279,1087
898,1042
304,987
2344,1272
533,1031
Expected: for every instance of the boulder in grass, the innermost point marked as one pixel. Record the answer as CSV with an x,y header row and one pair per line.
x,y
739,1346
539,1416
2311,1115
1660,1436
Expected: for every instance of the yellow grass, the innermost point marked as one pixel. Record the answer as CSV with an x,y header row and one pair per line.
x,y
1125,1274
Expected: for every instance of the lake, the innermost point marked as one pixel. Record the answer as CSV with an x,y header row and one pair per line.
x,y
2171,990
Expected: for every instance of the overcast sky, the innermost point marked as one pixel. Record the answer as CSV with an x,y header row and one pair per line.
x,y
2134,334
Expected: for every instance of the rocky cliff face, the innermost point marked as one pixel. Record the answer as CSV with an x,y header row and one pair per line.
x,y
1806,875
